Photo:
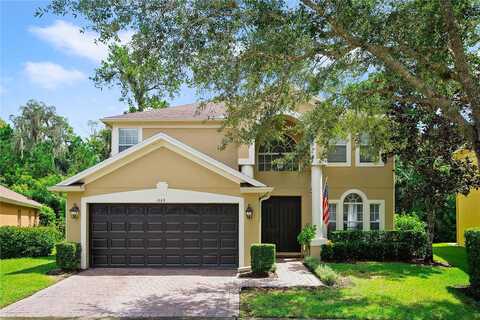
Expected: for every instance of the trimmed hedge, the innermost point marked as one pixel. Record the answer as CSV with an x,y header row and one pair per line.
x,y
68,255
472,244
375,246
263,257
16,242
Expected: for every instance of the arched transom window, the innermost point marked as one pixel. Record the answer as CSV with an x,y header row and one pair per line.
x,y
353,212
271,155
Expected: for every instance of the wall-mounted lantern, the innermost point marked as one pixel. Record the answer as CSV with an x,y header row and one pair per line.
x,y
249,212
74,211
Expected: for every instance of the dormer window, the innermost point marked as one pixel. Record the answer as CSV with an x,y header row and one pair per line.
x,y
271,155
127,137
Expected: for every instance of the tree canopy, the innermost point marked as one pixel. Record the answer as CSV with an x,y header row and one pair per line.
x,y
431,171
141,78
262,58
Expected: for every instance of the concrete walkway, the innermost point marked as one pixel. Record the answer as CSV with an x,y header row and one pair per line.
x,y
152,293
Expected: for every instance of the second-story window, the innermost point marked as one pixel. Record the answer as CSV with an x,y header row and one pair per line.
x,y
366,155
339,153
127,137
271,155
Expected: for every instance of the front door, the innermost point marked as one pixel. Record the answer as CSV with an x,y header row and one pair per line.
x,y
281,222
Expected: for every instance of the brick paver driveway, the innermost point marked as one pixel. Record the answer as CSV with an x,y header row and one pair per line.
x,y
150,293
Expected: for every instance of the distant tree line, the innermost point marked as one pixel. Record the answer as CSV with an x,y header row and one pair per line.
x,y
40,149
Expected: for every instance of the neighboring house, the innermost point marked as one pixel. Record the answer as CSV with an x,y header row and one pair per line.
x,y
468,207
17,210
169,197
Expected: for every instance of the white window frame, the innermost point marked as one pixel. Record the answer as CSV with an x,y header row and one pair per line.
x,y
348,163
381,213
358,146
366,209
116,136
336,203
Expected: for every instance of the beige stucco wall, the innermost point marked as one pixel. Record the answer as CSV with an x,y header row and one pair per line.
x,y
206,140
163,165
9,215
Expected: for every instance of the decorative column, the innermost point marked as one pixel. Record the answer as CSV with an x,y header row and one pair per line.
x,y
246,159
317,181
247,169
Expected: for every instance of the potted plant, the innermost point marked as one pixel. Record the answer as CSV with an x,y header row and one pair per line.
x,y
305,238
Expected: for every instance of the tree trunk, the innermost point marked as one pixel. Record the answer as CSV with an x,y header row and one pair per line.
x,y
430,235
476,143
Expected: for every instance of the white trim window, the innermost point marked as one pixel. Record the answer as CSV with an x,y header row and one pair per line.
x,y
374,216
332,221
363,154
339,153
271,155
353,212
127,137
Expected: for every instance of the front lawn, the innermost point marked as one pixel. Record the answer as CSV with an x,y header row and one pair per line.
x,y
377,291
22,277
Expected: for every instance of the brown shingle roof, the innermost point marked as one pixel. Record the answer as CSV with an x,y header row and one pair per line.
x,y
186,112
7,195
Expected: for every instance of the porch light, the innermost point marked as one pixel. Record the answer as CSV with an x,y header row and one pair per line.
x,y
74,211
249,212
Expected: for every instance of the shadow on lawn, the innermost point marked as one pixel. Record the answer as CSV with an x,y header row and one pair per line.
x,y
334,303
394,271
454,255
40,269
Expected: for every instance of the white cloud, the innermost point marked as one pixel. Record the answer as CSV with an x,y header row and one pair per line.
x,y
51,75
68,38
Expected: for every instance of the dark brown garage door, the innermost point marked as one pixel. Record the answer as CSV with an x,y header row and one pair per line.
x,y
164,235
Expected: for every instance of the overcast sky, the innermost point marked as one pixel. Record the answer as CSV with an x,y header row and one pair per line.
x,y
48,59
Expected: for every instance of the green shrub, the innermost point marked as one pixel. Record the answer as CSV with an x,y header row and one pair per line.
x,y
305,237
47,216
472,244
409,222
326,274
263,257
16,242
68,255
375,246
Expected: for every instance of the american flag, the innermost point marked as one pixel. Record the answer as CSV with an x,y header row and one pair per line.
x,y
326,213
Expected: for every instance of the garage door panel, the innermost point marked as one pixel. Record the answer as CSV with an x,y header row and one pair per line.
x,y
100,226
118,243
164,235
118,226
155,226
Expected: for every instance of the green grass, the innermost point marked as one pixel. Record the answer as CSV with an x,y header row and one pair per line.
x,y
452,254
22,277
377,291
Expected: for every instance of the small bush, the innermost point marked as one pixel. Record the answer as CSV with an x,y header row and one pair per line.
x,y
375,246
472,244
47,216
16,242
263,257
409,222
326,274
68,255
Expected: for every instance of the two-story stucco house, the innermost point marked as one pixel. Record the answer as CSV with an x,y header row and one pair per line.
x,y
169,197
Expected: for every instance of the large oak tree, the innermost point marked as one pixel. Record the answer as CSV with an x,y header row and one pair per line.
x,y
263,57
